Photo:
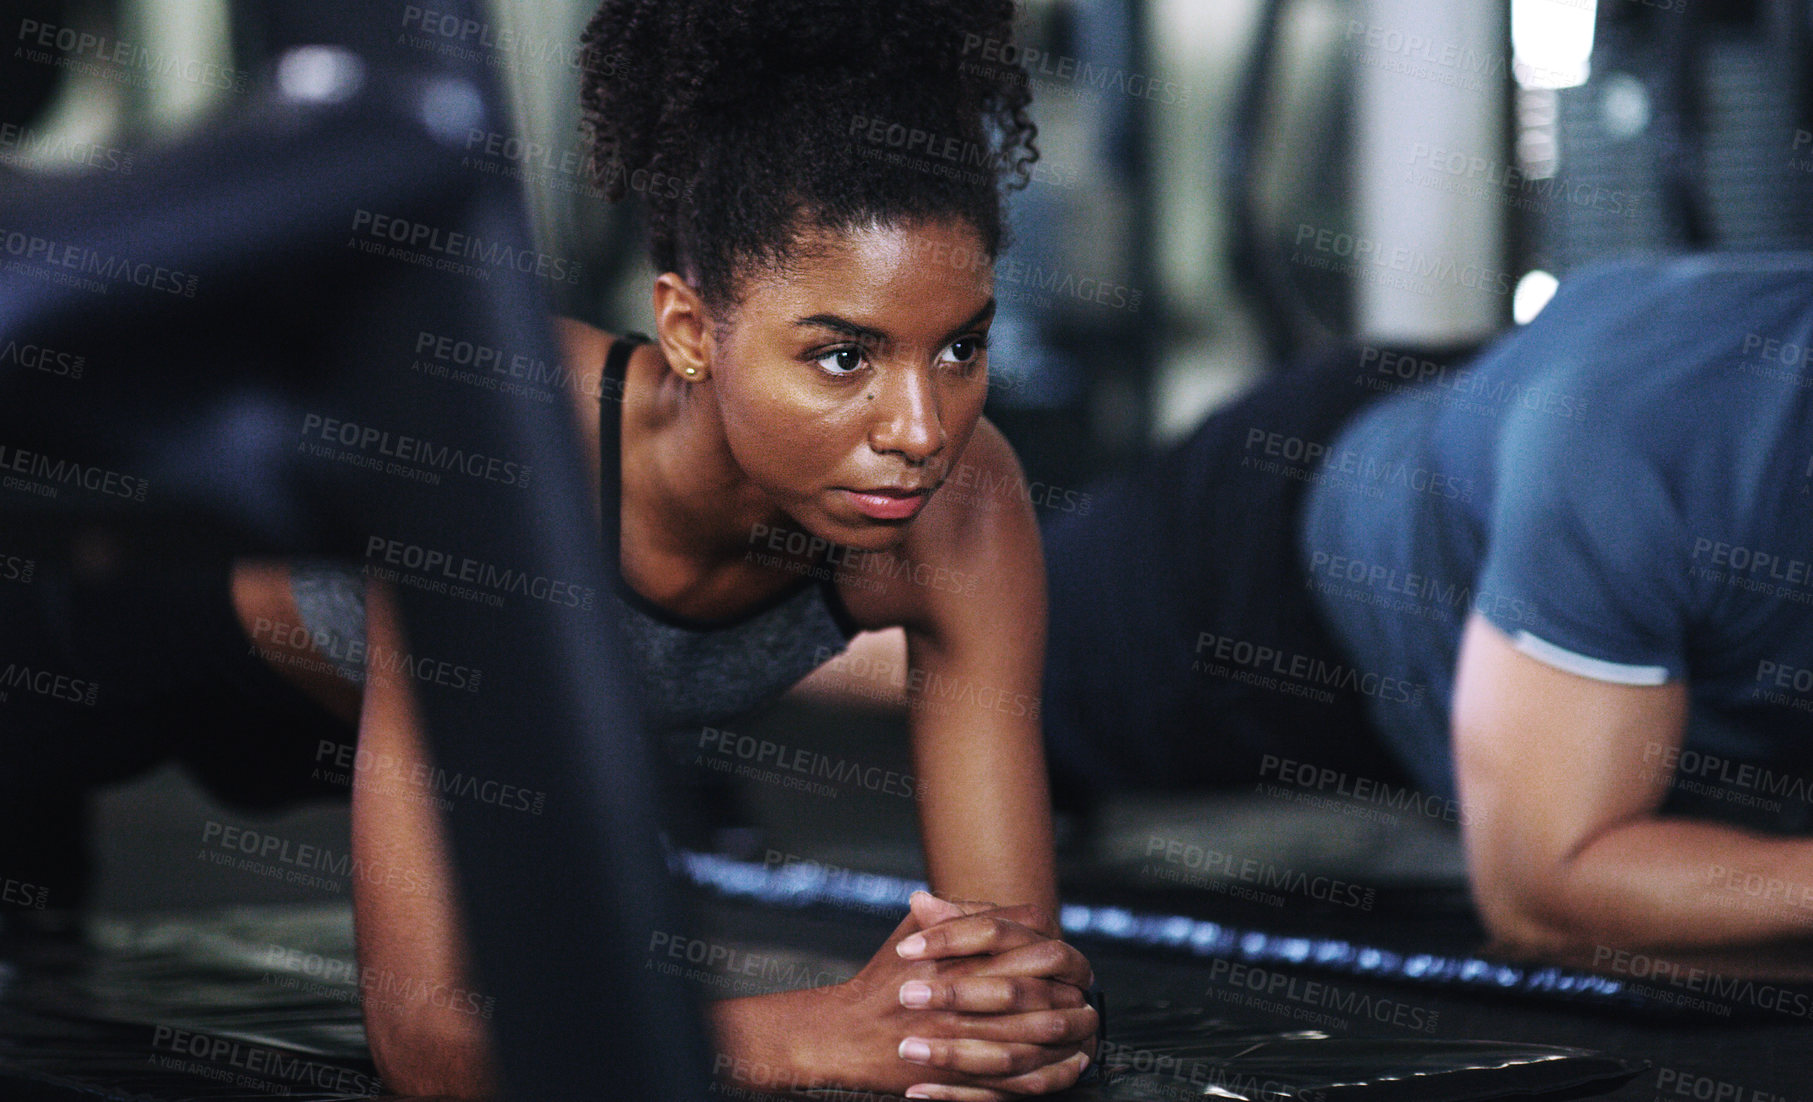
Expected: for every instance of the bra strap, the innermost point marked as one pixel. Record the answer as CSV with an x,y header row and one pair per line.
x,y
611,393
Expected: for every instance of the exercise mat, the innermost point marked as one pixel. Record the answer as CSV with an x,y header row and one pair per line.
x,y
234,1004
244,1003
1169,1053
805,884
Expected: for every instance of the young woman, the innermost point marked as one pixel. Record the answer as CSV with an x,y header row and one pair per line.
x,y
818,369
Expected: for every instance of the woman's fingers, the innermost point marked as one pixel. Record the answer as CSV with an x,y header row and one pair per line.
x,y
982,1059
1044,1080
971,935
1069,1027
957,1094
992,994
930,909
1033,956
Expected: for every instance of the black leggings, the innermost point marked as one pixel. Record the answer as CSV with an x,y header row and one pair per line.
x,y
1165,593
102,679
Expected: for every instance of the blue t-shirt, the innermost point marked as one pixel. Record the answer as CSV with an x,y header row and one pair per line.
x,y
1624,488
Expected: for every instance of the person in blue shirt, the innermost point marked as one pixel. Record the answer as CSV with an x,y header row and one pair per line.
x,y
1560,594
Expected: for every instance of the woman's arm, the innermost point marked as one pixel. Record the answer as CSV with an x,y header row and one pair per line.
x,y
1004,1036
1561,786
405,915
975,635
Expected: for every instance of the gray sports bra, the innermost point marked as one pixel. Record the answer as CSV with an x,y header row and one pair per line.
x,y
692,672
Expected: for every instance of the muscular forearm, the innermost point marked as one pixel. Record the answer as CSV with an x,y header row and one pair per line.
x,y
1657,882
1567,843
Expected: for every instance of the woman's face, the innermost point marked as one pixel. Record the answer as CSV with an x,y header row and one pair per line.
x,y
850,384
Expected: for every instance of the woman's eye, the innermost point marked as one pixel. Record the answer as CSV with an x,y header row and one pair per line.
x,y
965,350
841,361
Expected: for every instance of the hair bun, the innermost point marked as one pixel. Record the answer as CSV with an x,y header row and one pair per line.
x,y
859,37
737,116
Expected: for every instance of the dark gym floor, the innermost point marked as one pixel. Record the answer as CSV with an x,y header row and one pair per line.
x,y
1399,878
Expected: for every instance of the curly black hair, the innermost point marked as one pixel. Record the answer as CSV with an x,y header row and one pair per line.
x,y
742,123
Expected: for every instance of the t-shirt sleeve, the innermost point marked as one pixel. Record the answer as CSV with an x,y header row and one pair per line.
x,y
1585,563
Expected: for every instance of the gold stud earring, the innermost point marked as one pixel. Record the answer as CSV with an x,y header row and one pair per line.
x,y
692,371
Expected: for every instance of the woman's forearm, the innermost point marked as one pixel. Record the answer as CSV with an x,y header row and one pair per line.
x,y
985,817
767,1043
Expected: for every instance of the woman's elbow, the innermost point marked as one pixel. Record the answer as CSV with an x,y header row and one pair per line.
x,y
432,1059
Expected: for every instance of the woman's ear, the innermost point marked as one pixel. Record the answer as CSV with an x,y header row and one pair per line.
x,y
684,328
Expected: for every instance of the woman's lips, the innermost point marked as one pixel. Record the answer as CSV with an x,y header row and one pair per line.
x,y
888,504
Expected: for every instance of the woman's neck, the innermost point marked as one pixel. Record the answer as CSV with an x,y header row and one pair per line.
x,y
678,469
